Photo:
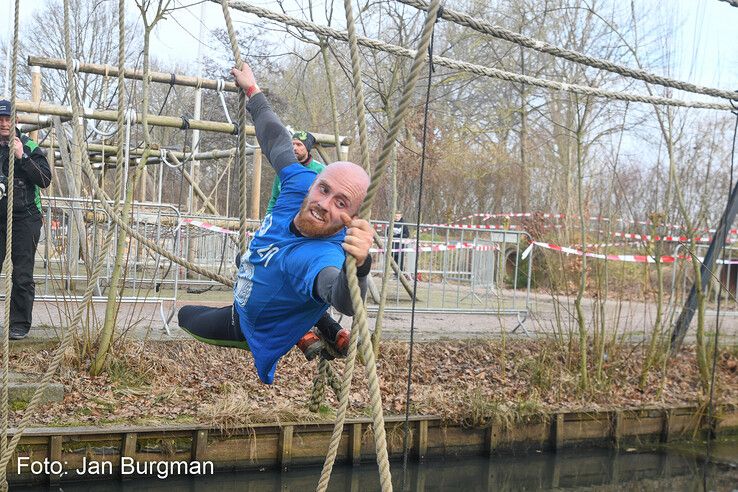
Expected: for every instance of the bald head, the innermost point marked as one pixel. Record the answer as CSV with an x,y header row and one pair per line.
x,y
338,190
353,177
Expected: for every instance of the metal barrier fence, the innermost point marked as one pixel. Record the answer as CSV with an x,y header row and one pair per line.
x,y
460,270
72,236
725,272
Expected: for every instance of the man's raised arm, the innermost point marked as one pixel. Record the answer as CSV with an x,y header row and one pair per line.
x,y
274,139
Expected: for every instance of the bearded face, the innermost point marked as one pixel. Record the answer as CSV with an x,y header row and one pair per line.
x,y
314,221
335,196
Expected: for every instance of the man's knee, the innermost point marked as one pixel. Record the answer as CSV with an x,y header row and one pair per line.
x,y
185,314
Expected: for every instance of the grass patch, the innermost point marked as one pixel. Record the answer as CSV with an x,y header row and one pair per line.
x,y
17,405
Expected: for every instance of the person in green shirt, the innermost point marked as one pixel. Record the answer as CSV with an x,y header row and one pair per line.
x,y
302,144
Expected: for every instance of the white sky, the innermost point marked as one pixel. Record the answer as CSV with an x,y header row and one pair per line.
x,y
707,47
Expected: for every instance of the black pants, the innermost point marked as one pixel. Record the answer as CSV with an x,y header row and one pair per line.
x,y
399,256
220,326
26,233
216,326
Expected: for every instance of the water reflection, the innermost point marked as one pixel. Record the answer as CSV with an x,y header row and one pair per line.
x,y
599,470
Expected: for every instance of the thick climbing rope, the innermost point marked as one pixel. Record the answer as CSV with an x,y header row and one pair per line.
x,y
360,318
121,101
358,87
362,332
318,382
358,329
242,236
476,69
499,32
8,264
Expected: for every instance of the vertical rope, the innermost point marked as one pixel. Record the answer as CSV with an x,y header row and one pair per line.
x,y
8,264
358,90
408,399
242,205
360,117
360,329
406,98
121,101
241,160
99,263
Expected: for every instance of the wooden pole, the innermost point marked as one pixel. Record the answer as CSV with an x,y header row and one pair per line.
x,y
35,94
256,186
38,113
201,156
112,71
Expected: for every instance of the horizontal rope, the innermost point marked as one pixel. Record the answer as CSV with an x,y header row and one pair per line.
x,y
470,67
486,27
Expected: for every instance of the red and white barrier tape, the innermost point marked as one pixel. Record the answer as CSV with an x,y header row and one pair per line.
x,y
441,247
207,226
626,258
551,215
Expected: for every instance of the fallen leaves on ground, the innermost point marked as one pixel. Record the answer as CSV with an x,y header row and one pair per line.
x,y
462,381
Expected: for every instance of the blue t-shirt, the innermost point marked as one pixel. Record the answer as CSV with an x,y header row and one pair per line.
x,y
273,295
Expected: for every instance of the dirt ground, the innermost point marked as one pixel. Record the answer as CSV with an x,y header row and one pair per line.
x,y
486,367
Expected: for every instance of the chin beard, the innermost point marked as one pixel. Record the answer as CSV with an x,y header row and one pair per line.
x,y
308,228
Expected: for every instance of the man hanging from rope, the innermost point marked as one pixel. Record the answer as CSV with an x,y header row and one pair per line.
x,y
327,327
294,269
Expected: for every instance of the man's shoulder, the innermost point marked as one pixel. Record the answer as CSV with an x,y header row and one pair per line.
x,y
294,169
296,177
28,141
316,166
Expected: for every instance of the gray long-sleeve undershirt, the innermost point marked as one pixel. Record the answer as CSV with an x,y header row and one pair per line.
x,y
331,284
274,139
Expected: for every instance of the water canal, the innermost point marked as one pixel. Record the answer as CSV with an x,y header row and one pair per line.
x,y
679,467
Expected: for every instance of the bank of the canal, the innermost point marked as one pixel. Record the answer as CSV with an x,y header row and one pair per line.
x,y
62,455
656,468
190,407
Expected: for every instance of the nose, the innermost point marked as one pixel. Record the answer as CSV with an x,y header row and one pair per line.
x,y
324,202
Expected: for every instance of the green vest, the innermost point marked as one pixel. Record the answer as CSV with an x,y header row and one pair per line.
x,y
277,186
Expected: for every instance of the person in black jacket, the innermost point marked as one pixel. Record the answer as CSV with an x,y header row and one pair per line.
x,y
32,173
399,232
